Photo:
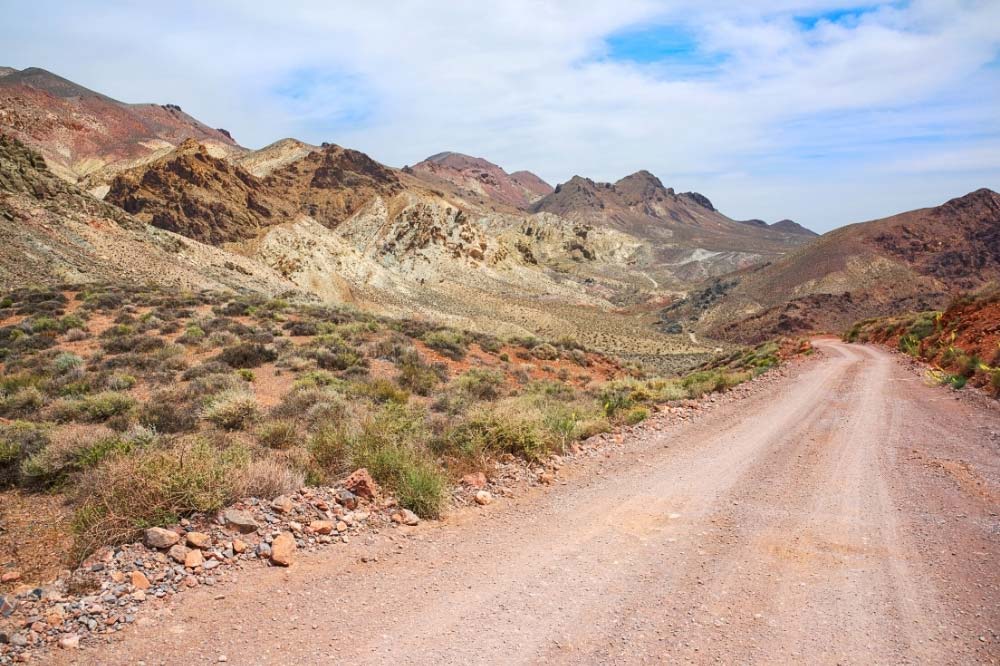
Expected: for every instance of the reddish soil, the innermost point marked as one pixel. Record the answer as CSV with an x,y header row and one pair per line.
x,y
845,515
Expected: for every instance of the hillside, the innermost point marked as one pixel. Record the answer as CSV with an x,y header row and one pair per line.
x,y
961,343
53,233
81,133
480,181
912,261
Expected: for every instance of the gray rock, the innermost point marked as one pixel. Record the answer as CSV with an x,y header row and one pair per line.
x,y
239,520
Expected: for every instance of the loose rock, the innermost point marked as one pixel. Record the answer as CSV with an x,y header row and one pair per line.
x,y
239,520
483,498
157,537
283,549
361,483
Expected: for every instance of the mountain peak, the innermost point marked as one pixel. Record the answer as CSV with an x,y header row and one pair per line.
x,y
477,178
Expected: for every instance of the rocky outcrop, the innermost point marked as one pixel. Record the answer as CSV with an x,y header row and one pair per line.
x,y
192,193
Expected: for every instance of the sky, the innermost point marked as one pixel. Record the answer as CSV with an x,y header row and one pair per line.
x,y
821,111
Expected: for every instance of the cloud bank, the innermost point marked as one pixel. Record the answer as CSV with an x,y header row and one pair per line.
x,y
826,112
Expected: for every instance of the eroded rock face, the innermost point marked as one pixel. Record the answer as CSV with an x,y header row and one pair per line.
x,y
481,180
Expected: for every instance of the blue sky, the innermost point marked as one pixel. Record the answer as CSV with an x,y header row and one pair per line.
x,y
826,112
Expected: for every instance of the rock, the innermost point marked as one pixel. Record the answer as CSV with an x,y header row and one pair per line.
x,y
406,517
361,483
548,478
178,553
239,520
341,526
157,537
477,480
282,503
10,577
193,559
239,546
283,549
483,498
321,526
347,499
198,540
70,642
139,580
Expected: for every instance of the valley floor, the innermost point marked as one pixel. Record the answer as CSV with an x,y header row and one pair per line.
x,y
846,515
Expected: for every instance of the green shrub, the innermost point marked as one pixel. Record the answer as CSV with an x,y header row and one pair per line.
x,y
278,434
105,405
22,402
19,441
416,375
450,343
480,384
636,415
383,390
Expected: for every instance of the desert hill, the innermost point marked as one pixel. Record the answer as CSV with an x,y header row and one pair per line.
x,y
52,232
916,260
786,225
480,181
82,133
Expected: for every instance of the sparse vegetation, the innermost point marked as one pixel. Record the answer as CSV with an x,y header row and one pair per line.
x,y
168,410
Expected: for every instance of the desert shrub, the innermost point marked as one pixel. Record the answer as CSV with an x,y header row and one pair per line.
x,y
21,402
19,440
119,382
329,449
66,361
383,390
340,358
700,383
193,334
247,355
232,410
69,449
118,499
636,415
267,478
545,352
301,328
416,375
909,344
480,384
246,375
490,345
507,427
169,412
95,408
390,444
278,434
450,343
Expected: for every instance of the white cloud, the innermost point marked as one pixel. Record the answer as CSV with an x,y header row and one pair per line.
x,y
788,122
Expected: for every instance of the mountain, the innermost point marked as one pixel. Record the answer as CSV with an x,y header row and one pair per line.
x,y
82,133
481,182
916,260
193,193
53,233
685,238
786,226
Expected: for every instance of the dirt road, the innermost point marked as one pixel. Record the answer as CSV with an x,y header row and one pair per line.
x,y
848,515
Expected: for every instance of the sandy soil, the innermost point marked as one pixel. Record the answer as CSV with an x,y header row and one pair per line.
x,y
848,515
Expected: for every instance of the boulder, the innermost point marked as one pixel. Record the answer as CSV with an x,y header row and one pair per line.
x,y
361,483
282,503
483,498
157,537
241,521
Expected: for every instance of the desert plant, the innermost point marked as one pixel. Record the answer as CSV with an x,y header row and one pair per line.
x,y
450,343
232,410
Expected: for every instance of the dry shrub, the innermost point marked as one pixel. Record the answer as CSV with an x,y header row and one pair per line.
x,y
267,478
156,486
